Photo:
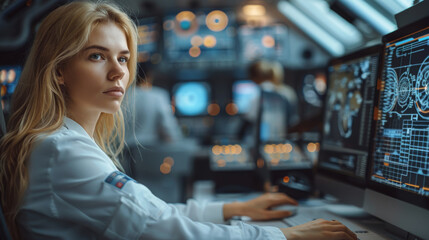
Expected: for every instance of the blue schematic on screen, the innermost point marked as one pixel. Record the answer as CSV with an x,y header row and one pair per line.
x,y
401,157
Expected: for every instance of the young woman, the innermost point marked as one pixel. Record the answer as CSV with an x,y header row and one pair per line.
x,y
59,175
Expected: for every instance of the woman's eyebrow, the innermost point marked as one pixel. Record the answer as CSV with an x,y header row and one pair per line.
x,y
104,49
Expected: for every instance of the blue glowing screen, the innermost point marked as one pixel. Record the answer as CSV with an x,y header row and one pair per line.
x,y
191,98
243,92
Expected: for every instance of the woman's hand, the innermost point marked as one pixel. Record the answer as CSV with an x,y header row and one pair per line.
x,y
319,229
260,208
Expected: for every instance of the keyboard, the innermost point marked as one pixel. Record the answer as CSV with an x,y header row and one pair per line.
x,y
307,214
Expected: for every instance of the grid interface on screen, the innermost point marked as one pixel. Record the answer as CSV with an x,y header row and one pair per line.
x,y
402,129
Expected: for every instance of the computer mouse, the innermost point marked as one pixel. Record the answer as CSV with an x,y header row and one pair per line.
x,y
291,208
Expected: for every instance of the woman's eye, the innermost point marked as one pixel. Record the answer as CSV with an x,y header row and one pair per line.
x,y
123,59
95,56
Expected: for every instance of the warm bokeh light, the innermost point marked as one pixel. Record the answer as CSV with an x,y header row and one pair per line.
x,y
221,163
3,75
194,51
268,41
216,150
260,163
288,147
169,160
231,109
213,109
227,149
209,41
254,10
196,41
311,147
165,168
277,148
275,161
238,148
216,21
185,15
3,90
269,148
286,179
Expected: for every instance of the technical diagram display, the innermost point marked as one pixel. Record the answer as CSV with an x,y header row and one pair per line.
x,y
399,153
348,114
401,150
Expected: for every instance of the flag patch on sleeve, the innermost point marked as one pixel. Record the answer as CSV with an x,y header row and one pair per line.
x,y
118,179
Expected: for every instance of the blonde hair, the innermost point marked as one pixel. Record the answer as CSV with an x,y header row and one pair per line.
x,y
39,103
264,70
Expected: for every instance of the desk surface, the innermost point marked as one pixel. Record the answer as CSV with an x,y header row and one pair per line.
x,y
204,191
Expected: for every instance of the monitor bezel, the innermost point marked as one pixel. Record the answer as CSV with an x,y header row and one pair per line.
x,y
331,173
410,197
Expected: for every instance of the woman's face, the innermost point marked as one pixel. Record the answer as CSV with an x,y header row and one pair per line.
x,y
96,78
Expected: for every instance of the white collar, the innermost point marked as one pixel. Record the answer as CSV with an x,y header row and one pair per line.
x,y
73,125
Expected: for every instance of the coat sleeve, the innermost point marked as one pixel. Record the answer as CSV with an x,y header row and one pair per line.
x,y
91,192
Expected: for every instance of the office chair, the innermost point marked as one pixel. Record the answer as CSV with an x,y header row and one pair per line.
x,y
4,231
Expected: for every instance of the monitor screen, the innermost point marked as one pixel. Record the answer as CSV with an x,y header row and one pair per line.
x,y
243,93
399,170
9,76
348,115
401,137
269,42
199,36
147,45
191,98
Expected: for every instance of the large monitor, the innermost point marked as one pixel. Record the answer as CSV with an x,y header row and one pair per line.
x,y
148,41
268,42
398,183
199,36
348,112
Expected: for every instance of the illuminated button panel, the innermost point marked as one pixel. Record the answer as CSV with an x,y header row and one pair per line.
x,y
230,157
284,155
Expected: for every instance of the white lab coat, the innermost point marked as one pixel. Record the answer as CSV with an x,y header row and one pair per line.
x,y
76,192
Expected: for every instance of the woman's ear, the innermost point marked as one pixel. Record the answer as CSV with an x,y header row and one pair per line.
x,y
60,76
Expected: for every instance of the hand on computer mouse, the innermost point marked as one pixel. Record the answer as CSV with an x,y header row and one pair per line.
x,y
260,208
320,229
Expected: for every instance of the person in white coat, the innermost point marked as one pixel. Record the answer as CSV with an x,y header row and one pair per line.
x,y
59,176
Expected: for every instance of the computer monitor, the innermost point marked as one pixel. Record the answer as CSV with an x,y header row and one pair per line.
x,y
398,181
148,41
9,76
243,92
348,112
268,42
200,36
191,98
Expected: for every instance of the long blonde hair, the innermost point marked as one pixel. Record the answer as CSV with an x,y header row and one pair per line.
x,y
39,103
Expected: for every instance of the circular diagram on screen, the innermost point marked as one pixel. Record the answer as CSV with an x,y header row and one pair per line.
x,y
191,99
216,20
404,91
422,90
186,23
390,93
